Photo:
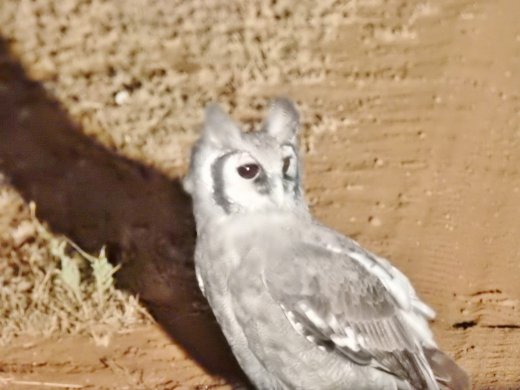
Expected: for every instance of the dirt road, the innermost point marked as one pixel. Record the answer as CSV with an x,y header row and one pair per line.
x,y
411,142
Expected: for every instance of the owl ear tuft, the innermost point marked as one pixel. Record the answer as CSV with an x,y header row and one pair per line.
x,y
283,121
218,128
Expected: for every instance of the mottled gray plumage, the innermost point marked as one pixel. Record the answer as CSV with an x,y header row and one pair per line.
x,y
302,306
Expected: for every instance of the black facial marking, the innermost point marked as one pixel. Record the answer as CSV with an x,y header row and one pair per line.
x,y
286,164
217,170
290,183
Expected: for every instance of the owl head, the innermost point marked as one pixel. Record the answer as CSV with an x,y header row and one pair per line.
x,y
234,172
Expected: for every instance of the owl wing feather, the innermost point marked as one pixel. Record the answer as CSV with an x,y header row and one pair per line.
x,y
395,282
336,303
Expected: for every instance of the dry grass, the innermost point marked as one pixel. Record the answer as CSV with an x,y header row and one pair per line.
x,y
143,78
49,285
144,98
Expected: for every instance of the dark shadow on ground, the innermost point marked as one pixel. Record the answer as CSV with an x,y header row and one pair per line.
x,y
96,197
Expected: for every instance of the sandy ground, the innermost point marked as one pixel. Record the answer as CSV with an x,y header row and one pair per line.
x,y
411,142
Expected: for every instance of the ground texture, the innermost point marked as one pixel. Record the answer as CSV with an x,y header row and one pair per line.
x,y
411,116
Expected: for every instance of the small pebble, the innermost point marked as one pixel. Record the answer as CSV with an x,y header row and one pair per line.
x,y
121,97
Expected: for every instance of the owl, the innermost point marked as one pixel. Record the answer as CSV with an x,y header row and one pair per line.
x,y
301,305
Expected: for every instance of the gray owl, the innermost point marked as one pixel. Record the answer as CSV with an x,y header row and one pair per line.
x,y
301,305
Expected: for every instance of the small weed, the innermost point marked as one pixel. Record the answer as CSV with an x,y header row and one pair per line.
x,y
48,284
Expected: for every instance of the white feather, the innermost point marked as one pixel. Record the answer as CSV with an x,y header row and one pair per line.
x,y
349,340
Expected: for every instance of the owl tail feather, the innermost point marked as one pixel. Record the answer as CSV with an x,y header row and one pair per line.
x,y
448,374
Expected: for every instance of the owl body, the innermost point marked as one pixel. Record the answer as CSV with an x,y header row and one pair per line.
x,y
301,305
240,252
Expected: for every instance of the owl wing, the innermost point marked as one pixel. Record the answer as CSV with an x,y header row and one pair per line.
x,y
336,303
395,282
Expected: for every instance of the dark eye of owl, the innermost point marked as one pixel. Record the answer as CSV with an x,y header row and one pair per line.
x,y
248,171
286,164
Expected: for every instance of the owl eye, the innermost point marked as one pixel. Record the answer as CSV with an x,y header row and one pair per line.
x,y
248,171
